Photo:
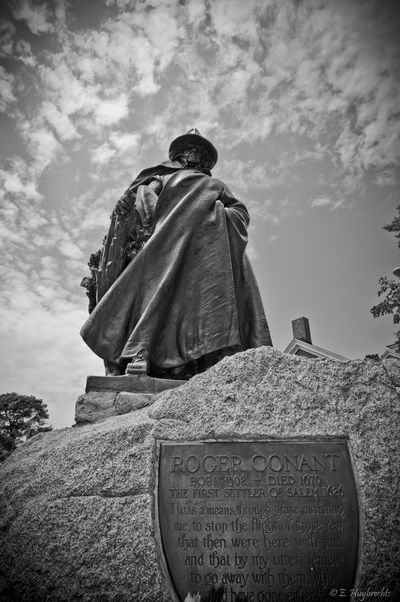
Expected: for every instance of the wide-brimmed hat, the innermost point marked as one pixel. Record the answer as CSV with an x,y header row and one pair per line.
x,y
193,136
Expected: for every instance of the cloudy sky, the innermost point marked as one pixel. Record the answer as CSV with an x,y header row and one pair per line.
x,y
300,97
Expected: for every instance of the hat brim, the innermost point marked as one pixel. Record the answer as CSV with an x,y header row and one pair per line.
x,y
193,139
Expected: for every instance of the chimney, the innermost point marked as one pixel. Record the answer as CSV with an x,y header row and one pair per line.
x,y
301,330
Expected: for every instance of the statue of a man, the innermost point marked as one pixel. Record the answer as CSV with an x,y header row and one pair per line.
x,y
173,291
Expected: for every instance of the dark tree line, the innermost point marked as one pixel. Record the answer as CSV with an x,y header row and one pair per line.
x,y
20,415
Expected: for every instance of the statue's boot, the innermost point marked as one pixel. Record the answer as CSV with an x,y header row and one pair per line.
x,y
139,364
114,369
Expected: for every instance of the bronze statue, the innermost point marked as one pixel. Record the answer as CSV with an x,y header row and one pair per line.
x,y
172,290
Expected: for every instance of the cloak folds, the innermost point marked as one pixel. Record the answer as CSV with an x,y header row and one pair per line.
x,y
190,291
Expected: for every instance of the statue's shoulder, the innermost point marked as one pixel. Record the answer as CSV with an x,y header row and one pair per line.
x,y
186,176
165,178
218,182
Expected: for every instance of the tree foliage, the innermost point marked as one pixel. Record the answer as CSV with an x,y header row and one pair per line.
x,y
7,446
394,226
372,356
389,288
18,413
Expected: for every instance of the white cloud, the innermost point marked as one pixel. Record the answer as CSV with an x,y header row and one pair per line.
x,y
96,218
111,111
122,4
196,11
251,252
236,86
42,145
7,96
266,209
7,32
16,184
386,177
103,154
60,121
35,15
70,250
50,268
253,173
22,51
126,55
322,201
7,235
82,97
235,18
14,47
125,141
144,56
161,28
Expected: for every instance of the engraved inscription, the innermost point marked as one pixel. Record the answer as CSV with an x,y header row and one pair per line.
x,y
259,521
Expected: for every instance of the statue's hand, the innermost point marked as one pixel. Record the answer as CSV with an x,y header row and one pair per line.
x,y
126,205
156,184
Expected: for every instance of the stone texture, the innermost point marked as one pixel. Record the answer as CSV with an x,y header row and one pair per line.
x,y
76,504
108,396
95,406
129,402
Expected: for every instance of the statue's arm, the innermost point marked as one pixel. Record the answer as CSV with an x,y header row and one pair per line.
x,y
127,203
128,231
125,206
112,258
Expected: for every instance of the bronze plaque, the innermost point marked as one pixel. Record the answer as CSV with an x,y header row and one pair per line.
x,y
258,521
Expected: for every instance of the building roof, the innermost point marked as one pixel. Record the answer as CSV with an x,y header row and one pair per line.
x,y
391,352
302,345
297,347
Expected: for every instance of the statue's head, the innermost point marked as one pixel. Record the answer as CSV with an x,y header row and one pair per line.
x,y
192,150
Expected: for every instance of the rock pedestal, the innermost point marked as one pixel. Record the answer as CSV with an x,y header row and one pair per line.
x,y
108,396
77,506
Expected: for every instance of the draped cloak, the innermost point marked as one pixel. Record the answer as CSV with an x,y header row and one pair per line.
x,y
191,290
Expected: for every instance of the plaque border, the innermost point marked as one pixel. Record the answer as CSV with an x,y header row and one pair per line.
x,y
242,439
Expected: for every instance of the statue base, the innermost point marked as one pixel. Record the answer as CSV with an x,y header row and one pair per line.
x,y
108,396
